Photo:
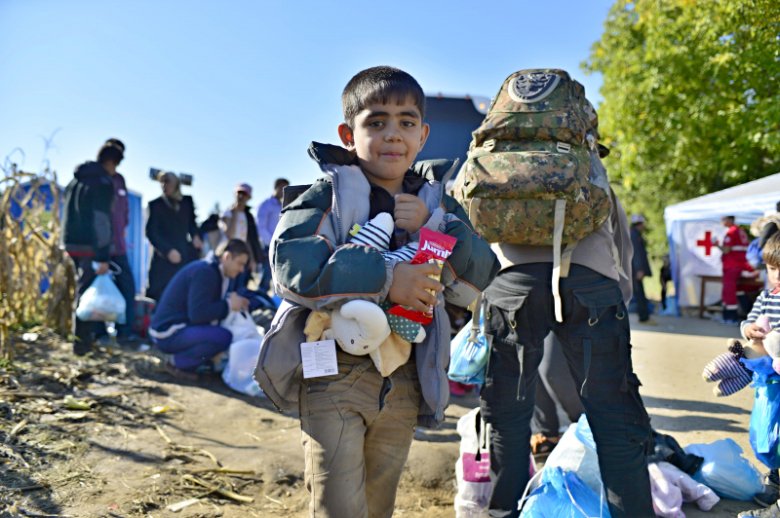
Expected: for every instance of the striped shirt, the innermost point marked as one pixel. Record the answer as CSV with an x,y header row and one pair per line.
x,y
767,303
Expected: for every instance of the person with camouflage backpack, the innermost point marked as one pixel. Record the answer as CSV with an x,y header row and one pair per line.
x,y
534,185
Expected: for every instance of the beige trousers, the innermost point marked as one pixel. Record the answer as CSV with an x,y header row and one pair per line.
x,y
356,430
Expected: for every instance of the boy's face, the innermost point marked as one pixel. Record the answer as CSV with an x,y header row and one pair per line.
x,y
386,139
773,275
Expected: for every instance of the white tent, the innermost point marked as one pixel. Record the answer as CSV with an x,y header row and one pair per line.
x,y
691,225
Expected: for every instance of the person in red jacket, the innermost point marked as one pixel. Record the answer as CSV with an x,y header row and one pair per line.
x,y
735,244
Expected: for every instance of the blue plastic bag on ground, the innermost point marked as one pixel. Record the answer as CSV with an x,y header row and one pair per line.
x,y
765,417
725,470
469,352
562,494
102,302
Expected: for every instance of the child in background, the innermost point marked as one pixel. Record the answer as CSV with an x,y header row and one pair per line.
x,y
732,375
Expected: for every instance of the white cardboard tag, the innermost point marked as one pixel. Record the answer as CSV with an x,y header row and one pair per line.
x,y
319,358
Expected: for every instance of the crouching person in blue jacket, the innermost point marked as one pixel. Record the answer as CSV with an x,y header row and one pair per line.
x,y
186,320
357,426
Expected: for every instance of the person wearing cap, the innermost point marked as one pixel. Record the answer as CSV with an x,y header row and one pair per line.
x,y
87,229
173,232
238,222
640,265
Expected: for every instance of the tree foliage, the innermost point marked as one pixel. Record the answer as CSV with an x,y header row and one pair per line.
x,y
691,98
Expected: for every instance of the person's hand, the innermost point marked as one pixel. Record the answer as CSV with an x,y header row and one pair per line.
x,y
411,285
101,268
237,302
410,212
174,256
640,275
197,242
753,331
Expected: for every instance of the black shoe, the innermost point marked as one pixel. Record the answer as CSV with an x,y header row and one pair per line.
x,y
81,347
769,494
773,511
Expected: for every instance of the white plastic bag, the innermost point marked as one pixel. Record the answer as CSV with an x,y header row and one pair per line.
x,y
242,326
243,353
472,469
576,451
102,302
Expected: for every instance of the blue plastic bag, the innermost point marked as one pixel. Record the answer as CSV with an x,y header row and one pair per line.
x,y
765,417
725,470
102,302
469,352
562,494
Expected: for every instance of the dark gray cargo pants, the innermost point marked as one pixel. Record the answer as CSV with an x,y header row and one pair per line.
x,y
596,340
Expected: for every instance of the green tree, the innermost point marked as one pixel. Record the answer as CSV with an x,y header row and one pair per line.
x,y
691,95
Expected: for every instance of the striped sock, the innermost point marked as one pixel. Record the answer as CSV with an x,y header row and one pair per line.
x,y
375,233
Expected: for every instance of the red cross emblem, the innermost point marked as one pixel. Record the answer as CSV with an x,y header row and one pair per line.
x,y
706,242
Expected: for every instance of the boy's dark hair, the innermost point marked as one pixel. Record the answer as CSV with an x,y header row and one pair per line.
x,y
235,247
379,85
113,150
777,206
281,181
771,251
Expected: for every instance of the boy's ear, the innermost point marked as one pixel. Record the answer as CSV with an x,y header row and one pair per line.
x,y
347,136
426,129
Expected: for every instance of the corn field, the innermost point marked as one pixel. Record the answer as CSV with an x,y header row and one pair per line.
x,y
37,278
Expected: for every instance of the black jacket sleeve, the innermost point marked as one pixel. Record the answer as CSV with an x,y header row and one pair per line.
x,y
154,230
101,198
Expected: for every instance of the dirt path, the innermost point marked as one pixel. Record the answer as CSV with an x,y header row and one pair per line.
x,y
146,441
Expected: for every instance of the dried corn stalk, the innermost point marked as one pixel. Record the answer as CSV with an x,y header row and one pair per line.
x,y
37,278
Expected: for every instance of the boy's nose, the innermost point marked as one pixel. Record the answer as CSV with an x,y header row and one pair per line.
x,y
392,134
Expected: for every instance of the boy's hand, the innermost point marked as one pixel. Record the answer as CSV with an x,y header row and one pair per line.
x,y
754,332
410,212
411,284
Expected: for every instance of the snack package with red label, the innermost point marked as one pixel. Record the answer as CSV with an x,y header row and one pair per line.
x,y
435,247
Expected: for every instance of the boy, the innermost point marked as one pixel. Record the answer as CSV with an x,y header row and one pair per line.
x,y
357,426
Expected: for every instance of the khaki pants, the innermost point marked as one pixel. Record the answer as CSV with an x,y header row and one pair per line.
x,y
356,430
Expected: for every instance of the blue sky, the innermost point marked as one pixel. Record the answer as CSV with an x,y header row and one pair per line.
x,y
234,91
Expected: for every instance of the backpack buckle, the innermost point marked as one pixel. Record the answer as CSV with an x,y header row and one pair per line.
x,y
563,147
489,144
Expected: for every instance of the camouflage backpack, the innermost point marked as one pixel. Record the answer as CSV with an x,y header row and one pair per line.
x,y
533,175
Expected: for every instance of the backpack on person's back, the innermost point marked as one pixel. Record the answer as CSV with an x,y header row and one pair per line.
x,y
533,171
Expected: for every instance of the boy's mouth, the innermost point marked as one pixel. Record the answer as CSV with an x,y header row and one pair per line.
x,y
393,155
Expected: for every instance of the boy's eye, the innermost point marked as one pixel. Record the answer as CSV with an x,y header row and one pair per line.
x,y
375,124
409,124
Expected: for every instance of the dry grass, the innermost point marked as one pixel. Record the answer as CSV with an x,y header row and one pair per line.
x,y
29,255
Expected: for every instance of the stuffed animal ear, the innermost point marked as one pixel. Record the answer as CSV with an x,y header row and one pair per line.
x,y
316,324
393,353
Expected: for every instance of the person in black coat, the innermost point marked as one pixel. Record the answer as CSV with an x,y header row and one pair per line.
x,y
640,265
173,232
87,231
